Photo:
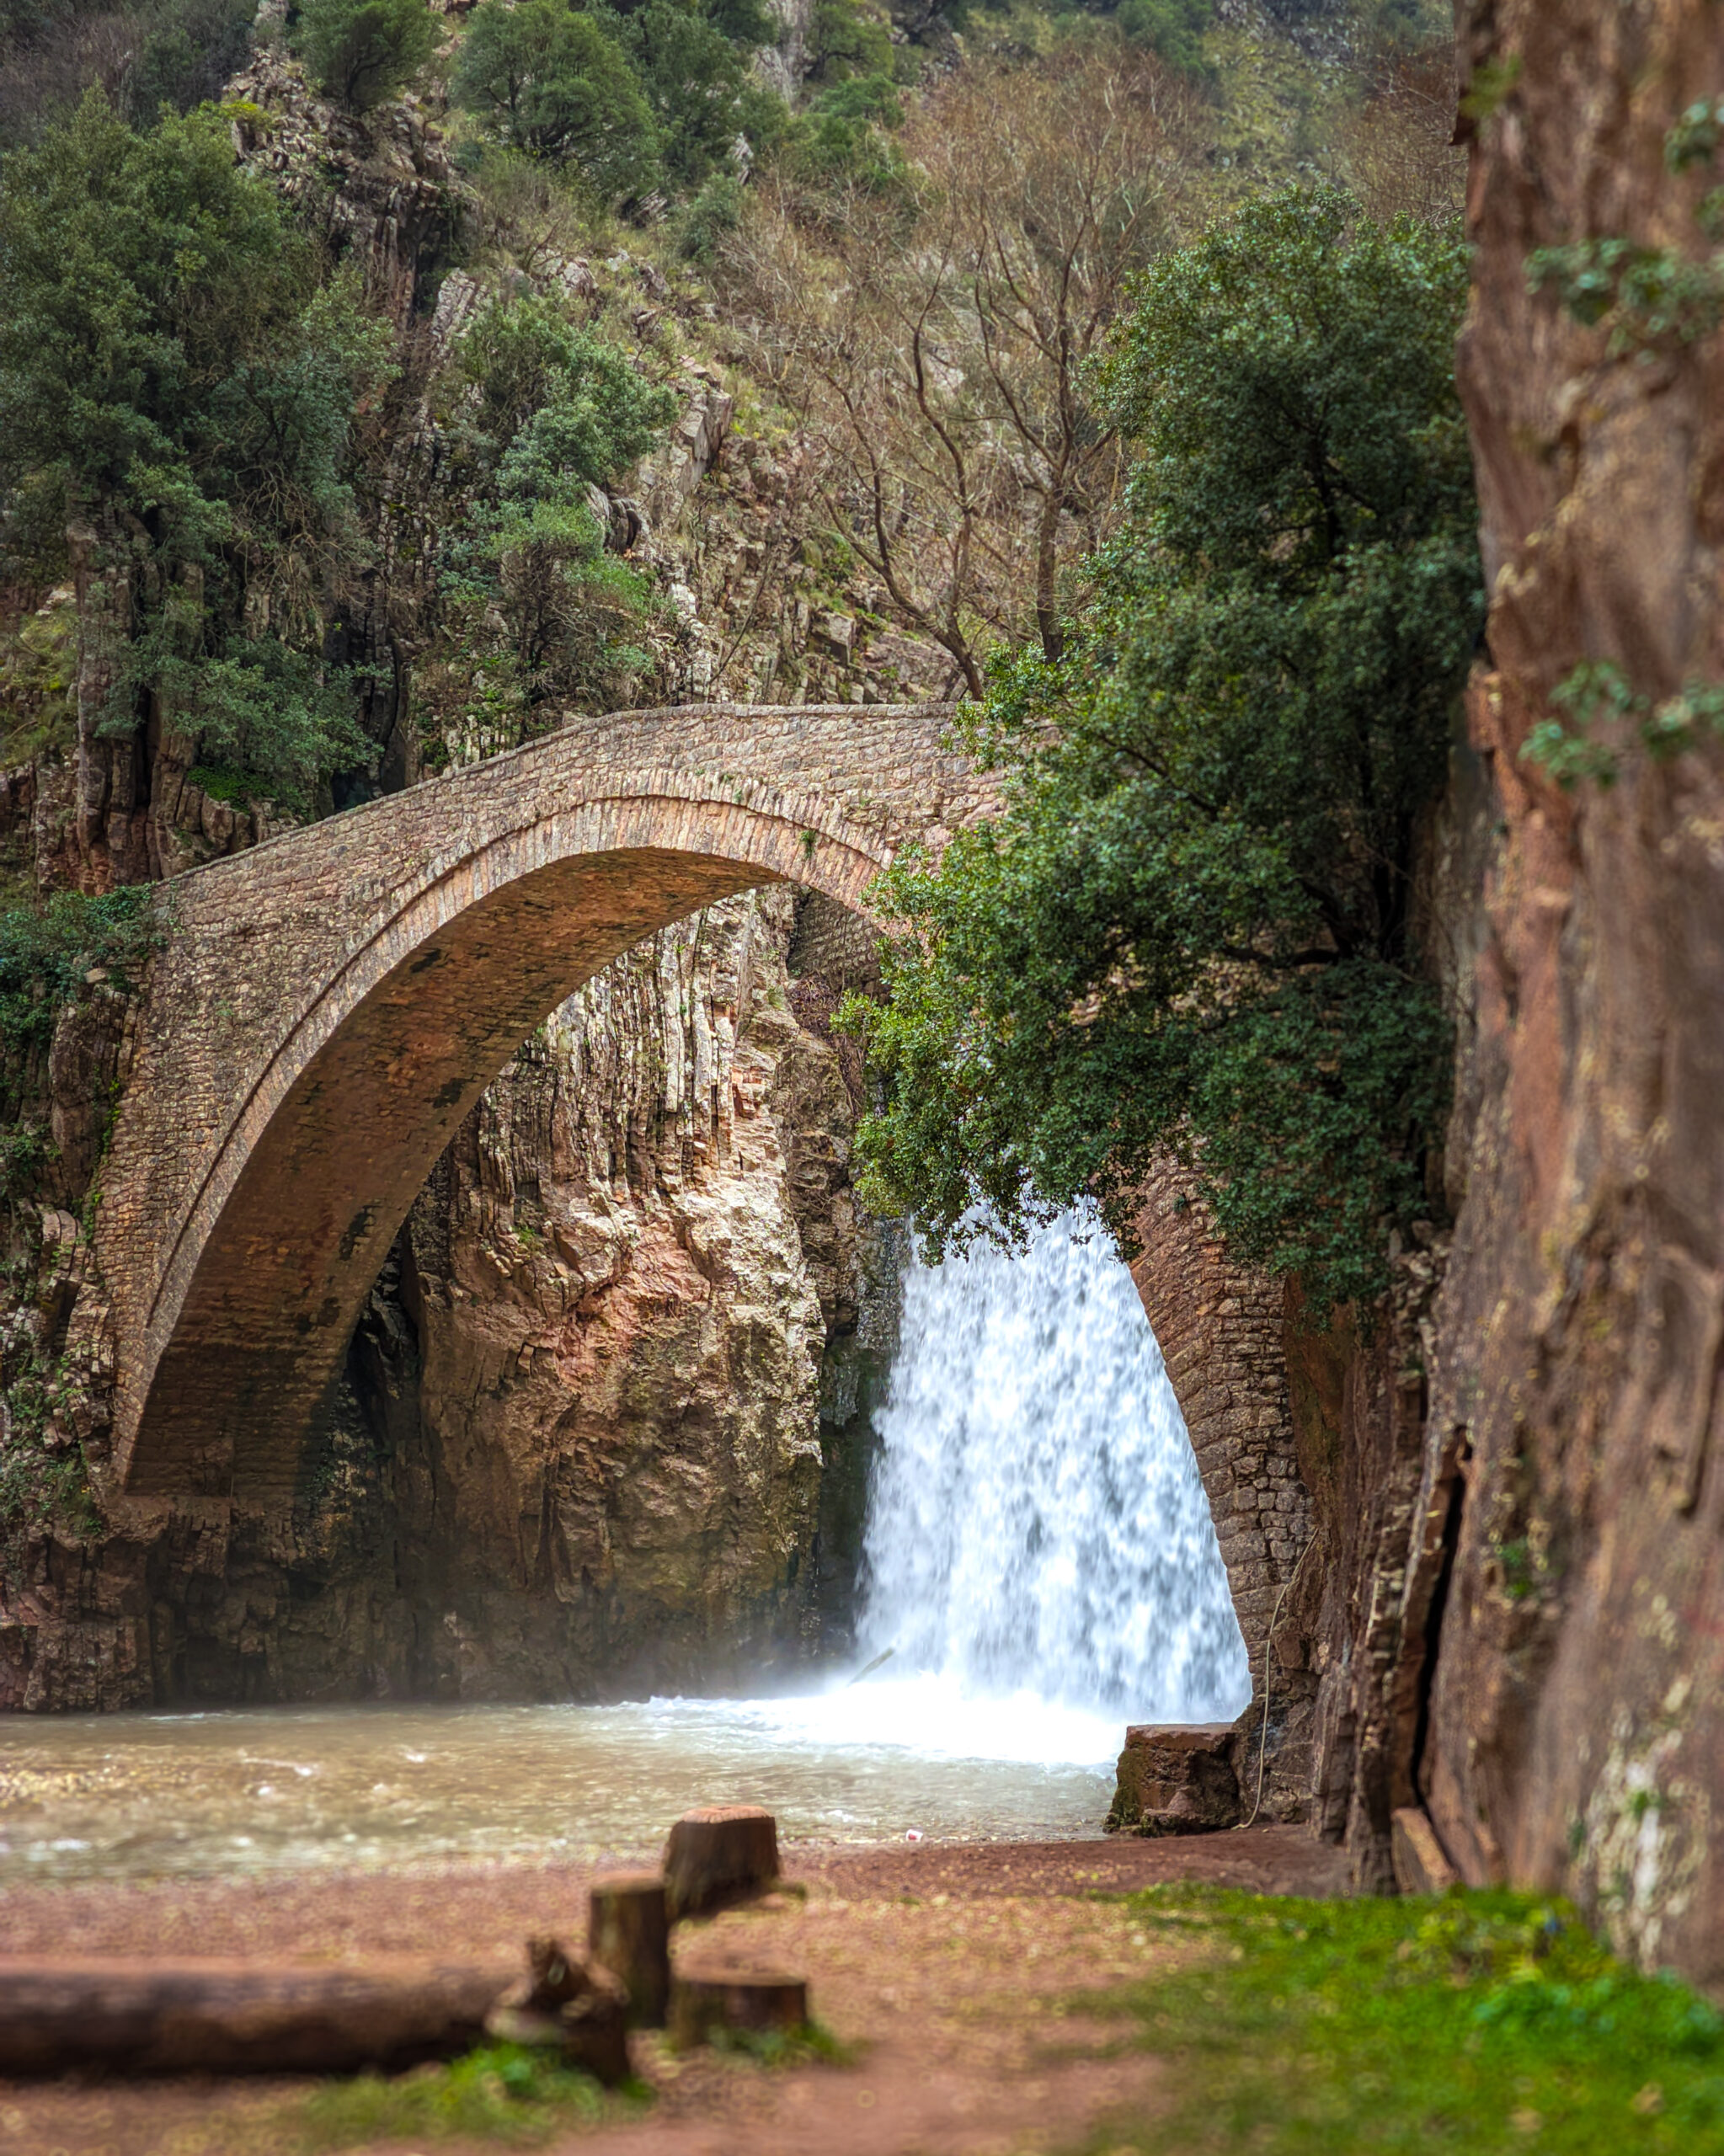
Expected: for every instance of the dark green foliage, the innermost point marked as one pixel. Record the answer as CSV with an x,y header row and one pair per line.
x,y
47,953
256,708
1193,926
1174,28
555,83
1478,2024
532,368
177,368
715,211
844,138
845,39
695,81
557,411
363,51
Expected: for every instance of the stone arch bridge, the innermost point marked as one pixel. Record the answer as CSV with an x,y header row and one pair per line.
x,y
326,1008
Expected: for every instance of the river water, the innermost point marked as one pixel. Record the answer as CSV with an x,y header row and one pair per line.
x,y
1040,1567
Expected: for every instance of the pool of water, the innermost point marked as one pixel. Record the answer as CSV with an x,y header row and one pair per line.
x,y
264,1789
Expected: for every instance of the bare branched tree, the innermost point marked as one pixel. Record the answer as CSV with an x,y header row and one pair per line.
x,y
941,345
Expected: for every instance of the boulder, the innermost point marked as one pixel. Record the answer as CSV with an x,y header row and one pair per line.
x,y
1176,1778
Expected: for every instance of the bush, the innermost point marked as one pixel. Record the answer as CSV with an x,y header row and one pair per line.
x,y
1172,28
363,51
714,213
47,951
845,39
550,81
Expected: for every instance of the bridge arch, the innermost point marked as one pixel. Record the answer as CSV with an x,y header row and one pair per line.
x,y
287,1141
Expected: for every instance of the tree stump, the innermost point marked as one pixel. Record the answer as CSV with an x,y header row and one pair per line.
x,y
717,1856
567,2006
628,1932
705,1999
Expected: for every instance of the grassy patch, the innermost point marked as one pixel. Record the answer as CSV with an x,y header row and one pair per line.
x,y
1476,2023
501,2093
784,2047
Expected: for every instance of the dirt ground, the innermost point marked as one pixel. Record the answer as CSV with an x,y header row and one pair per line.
x,y
947,1965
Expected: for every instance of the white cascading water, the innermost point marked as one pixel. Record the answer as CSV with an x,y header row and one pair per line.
x,y
1037,1532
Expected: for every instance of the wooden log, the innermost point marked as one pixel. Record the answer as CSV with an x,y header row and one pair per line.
x,y
569,2005
628,1933
705,1999
211,2016
718,1856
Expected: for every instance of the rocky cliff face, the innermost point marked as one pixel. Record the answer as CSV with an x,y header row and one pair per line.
x,y
1515,1483
582,1447
1575,1723
583,1444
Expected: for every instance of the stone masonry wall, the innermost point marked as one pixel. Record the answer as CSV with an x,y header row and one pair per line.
x,y
1221,1334
329,1006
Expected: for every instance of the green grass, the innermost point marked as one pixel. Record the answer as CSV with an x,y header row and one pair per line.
x,y
1476,2023
784,2047
502,2093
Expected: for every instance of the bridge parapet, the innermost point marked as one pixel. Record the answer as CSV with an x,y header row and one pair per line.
x,y
328,1007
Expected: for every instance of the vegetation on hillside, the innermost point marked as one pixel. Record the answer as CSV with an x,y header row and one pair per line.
x,y
241,513
1193,926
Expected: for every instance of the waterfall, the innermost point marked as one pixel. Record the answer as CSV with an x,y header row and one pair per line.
x,y
1037,1530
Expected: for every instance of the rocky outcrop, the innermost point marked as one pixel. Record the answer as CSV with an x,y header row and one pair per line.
x,y
1574,1734
1514,1476
614,1325
582,1449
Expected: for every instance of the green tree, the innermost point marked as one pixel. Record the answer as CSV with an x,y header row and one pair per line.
x,y
178,374
555,83
1193,927
557,414
363,51
695,83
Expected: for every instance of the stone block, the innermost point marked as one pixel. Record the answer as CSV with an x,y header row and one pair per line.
x,y
1176,1778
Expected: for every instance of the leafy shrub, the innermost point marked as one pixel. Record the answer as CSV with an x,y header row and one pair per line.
x,y
174,356
47,952
363,51
551,81
714,212
846,38
555,412
1173,29
843,140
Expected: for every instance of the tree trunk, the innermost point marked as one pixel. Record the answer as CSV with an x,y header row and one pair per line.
x,y
705,1999
717,1856
236,2017
628,1932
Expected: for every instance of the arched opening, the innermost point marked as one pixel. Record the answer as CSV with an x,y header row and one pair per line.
x,y
328,1131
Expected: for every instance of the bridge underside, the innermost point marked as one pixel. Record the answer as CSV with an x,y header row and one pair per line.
x,y
262,1334
326,1008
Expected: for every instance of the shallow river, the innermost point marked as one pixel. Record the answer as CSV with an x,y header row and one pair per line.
x,y
295,1788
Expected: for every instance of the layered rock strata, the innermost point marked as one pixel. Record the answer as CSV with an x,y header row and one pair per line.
x,y
580,1447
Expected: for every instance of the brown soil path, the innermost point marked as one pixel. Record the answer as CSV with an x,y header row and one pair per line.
x,y
946,1964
